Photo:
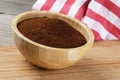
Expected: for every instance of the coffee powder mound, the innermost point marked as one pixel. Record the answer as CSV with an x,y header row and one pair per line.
x,y
51,32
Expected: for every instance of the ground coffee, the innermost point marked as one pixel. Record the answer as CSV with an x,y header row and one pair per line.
x,y
51,32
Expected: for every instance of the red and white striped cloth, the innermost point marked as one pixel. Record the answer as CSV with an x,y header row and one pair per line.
x,y
102,16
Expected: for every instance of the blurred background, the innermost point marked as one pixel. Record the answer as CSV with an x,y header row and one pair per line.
x,y
9,9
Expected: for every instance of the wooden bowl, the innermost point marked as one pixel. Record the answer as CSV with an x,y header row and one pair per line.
x,y
49,57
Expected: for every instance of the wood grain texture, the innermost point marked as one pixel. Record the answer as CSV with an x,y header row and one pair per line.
x,y
101,63
15,6
9,9
6,30
49,57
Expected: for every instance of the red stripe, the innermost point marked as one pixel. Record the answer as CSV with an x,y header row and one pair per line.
x,y
111,6
96,35
67,6
81,11
47,5
106,24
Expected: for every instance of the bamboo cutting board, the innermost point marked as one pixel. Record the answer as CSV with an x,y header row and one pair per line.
x,y
102,62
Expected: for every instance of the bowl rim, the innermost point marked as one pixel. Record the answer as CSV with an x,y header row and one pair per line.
x,y
15,29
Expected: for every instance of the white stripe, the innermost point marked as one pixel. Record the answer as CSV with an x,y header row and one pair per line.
x,y
38,4
75,7
104,12
105,35
116,2
58,5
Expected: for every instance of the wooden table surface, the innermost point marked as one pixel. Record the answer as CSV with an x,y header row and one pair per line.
x,y
101,63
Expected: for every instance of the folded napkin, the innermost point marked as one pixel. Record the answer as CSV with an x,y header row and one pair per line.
x,y
102,16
